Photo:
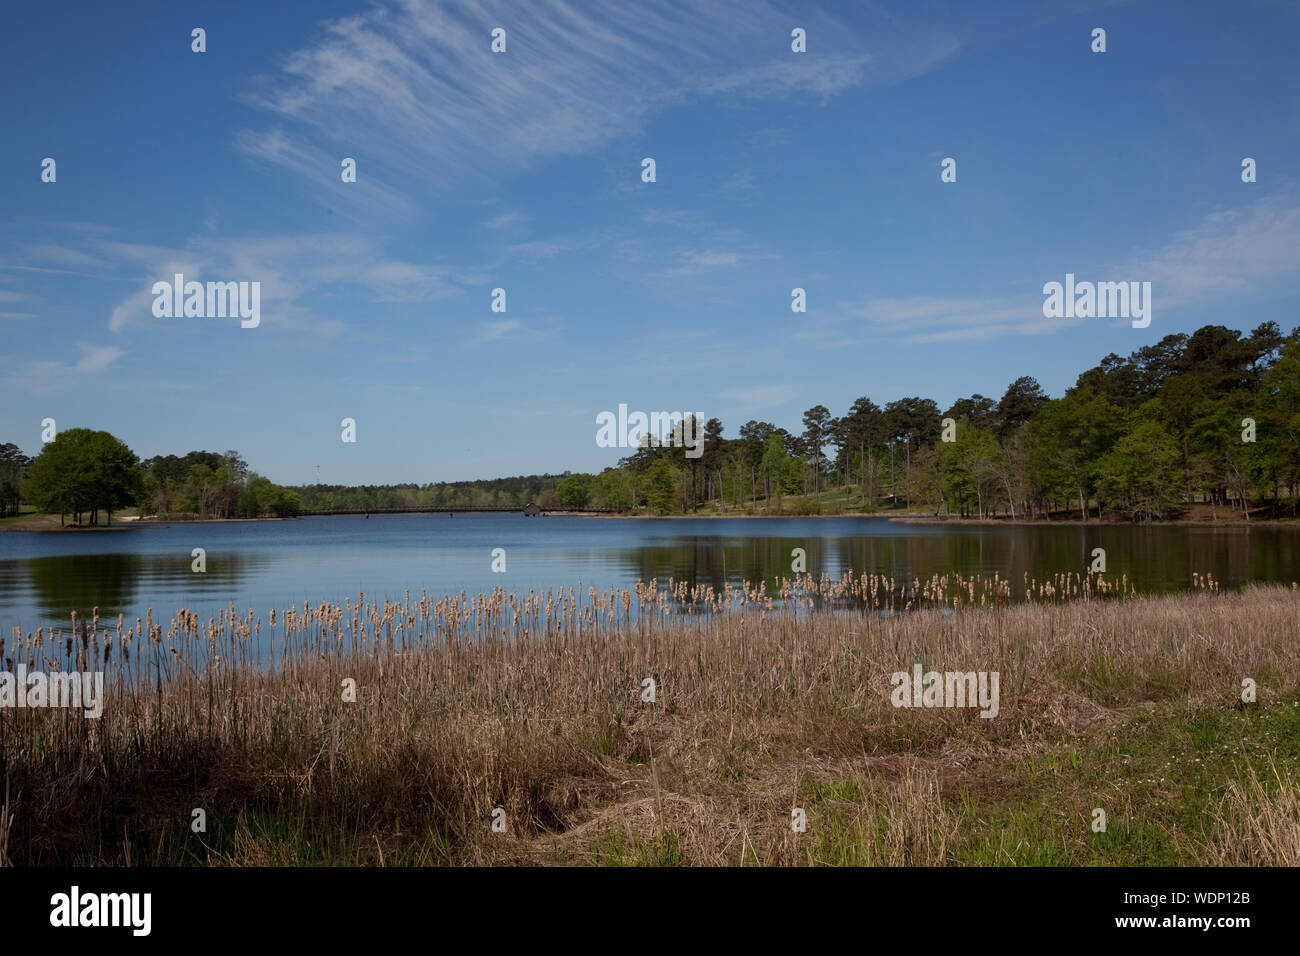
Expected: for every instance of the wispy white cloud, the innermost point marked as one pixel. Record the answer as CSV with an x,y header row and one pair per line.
x,y
408,282
740,184
86,228
414,85
322,169
538,248
669,217
47,270
694,261
132,309
62,256
45,377
913,312
823,75
922,319
759,396
503,220
977,333
95,358
493,331
1246,251
288,268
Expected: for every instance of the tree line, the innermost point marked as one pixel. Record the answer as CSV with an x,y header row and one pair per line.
x,y
204,484
1208,418
82,473
499,492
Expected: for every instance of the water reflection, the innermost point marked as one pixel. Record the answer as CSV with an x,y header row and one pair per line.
x,y
43,578
1152,559
56,586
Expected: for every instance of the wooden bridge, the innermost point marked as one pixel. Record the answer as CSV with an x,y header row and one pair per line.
x,y
529,510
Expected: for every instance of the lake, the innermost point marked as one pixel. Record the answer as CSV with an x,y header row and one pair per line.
x,y
43,577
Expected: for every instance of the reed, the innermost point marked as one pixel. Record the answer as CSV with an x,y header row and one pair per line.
x,y
532,703
1258,820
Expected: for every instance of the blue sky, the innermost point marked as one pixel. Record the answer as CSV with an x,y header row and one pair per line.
x,y
522,171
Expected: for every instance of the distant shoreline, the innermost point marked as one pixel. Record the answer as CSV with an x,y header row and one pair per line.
x,y
924,519
48,524
1097,522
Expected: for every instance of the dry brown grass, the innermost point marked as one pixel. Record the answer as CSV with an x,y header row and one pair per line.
x,y
470,704
1257,822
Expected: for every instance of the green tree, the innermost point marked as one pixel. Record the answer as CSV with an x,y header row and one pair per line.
x,y
82,471
13,468
966,469
661,486
777,467
1068,438
286,503
202,488
715,452
573,490
913,421
1280,399
612,488
977,410
753,441
1142,473
1023,400
818,428
857,434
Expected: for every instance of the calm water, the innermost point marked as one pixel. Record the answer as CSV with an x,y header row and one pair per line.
x,y
43,577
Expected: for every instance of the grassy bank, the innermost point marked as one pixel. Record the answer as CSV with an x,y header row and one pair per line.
x,y
32,520
1130,705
